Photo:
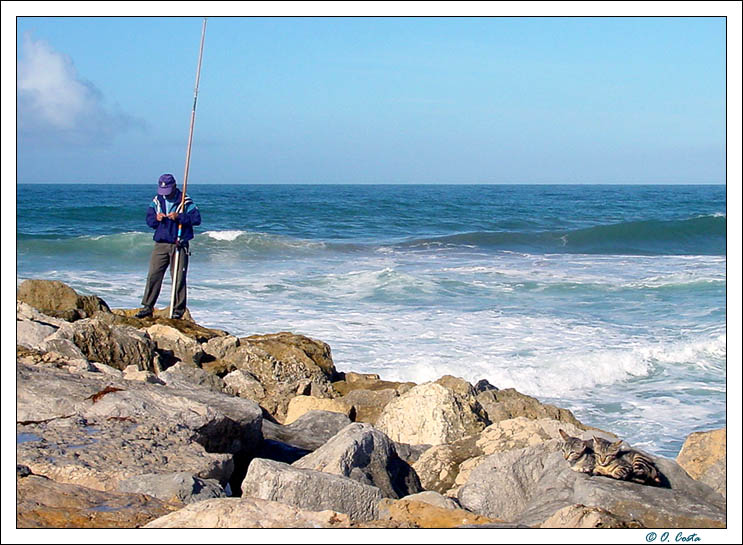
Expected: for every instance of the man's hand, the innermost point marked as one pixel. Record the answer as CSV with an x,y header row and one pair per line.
x,y
173,216
160,216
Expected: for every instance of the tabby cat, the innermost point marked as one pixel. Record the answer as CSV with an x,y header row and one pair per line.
x,y
578,453
627,464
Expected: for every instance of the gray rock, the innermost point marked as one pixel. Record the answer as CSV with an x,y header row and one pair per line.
x,y
99,429
530,485
174,487
310,431
183,376
311,490
31,334
366,455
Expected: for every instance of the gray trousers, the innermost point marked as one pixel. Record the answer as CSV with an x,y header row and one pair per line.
x,y
163,256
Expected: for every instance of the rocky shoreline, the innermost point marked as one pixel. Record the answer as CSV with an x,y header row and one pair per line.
x,y
159,423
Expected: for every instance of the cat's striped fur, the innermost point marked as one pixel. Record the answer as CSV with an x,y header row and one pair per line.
x,y
628,464
578,453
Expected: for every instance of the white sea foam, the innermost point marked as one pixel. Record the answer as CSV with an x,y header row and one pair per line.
x,y
224,235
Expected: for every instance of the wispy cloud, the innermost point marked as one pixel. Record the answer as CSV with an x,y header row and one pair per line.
x,y
56,105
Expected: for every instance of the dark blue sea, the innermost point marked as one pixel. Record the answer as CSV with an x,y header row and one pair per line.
x,y
606,300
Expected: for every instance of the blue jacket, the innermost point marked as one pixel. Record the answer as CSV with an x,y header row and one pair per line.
x,y
167,229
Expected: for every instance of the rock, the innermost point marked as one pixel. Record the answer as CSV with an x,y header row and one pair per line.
x,y
529,485
57,299
430,414
97,429
421,514
311,490
439,466
218,347
175,344
521,432
433,498
44,503
183,375
483,386
243,384
704,457
508,403
281,362
364,454
249,512
31,334
179,487
359,381
580,516
368,404
133,373
114,345
300,405
310,431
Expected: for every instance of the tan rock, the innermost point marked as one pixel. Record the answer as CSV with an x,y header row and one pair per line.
x,y
300,405
704,457
44,503
580,516
359,381
57,299
369,404
249,512
182,347
509,403
521,432
430,414
424,515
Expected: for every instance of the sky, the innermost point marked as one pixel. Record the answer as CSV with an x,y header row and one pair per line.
x,y
373,99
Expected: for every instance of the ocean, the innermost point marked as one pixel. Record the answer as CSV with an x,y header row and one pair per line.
x,y
606,300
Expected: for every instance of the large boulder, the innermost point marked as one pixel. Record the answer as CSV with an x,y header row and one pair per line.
x,y
96,429
57,299
704,457
509,403
530,485
175,345
309,489
431,414
282,363
248,512
367,455
116,345
44,503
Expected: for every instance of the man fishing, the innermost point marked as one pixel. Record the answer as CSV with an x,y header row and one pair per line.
x,y
172,214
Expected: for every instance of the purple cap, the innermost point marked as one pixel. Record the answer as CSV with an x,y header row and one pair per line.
x,y
165,184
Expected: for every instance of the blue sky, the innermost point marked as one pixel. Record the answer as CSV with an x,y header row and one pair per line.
x,y
373,100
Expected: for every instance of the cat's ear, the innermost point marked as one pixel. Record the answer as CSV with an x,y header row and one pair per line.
x,y
564,435
616,444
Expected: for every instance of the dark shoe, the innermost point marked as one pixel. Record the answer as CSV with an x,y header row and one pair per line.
x,y
144,313
177,316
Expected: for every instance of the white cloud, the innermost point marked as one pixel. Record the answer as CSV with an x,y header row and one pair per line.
x,y
56,105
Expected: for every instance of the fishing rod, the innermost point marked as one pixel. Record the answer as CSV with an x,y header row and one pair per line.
x,y
185,173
